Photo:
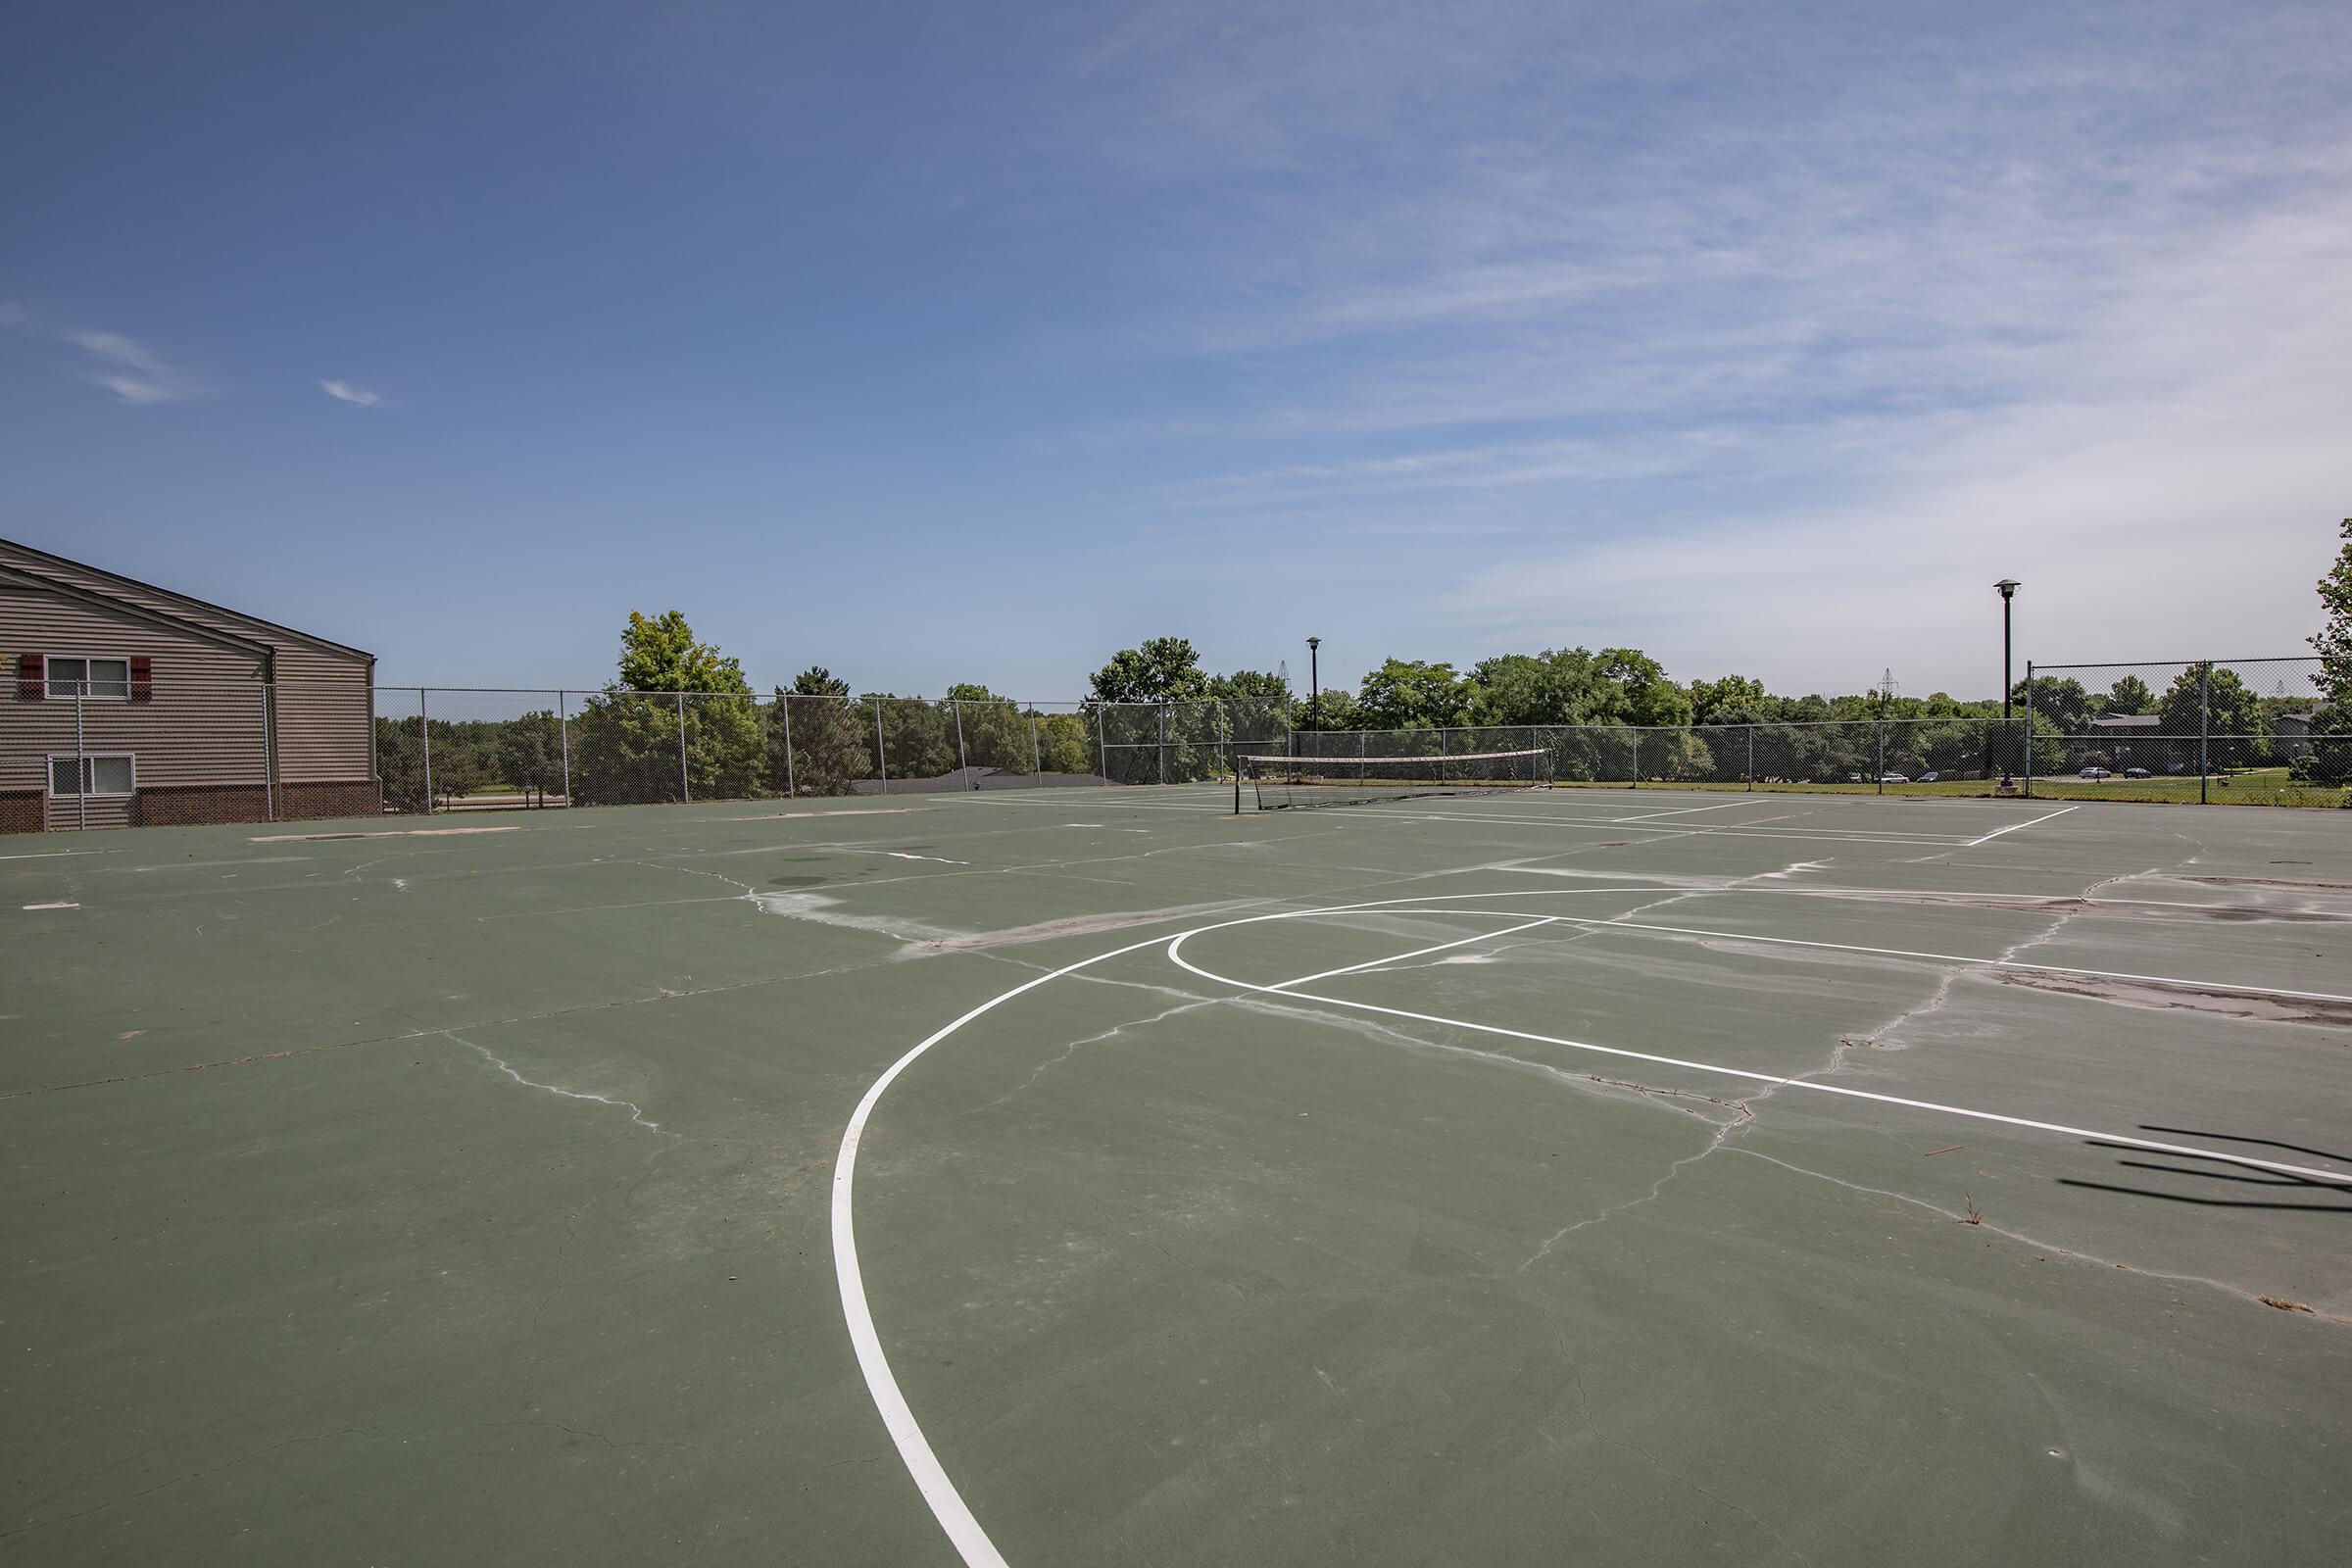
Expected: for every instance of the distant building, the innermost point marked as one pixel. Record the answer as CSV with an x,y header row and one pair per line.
x,y
2291,732
2129,740
125,704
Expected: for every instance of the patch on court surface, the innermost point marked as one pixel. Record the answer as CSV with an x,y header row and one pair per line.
x,y
1536,1176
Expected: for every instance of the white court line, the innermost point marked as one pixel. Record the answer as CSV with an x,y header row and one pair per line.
x,y
1886,952
1894,840
51,855
1175,946
2013,827
1418,952
1686,811
947,1504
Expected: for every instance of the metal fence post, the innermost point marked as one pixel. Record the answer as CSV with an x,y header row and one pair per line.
x,y
1882,773
563,741
685,786
964,763
1635,736
881,751
1036,766
1163,743
81,768
784,702
2204,705
269,774
1102,746
425,733
2028,729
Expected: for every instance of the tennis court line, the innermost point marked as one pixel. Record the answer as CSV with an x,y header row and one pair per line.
x,y
1417,952
1686,811
947,1504
1772,1080
2174,981
1892,840
2013,827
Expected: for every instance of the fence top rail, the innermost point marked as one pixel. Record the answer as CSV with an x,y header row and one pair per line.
x,y
2187,664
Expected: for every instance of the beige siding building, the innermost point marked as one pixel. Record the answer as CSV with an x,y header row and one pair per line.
x,y
122,703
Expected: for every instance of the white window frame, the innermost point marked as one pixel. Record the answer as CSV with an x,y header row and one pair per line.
x,y
89,775
50,683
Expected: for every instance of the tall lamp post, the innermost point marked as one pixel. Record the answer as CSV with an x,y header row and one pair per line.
x,y
1314,687
2007,588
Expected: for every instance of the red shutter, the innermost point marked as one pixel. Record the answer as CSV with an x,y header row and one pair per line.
x,y
31,683
142,679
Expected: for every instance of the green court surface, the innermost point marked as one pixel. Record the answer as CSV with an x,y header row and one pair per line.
x,y
1094,1176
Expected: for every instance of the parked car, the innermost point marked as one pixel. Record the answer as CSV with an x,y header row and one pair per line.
x,y
2137,772
1929,777
2094,774
1893,778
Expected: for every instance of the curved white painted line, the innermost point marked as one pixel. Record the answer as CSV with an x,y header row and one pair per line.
x,y
1772,1080
914,1450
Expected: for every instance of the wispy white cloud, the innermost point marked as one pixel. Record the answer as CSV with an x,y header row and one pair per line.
x,y
344,391
1756,337
133,372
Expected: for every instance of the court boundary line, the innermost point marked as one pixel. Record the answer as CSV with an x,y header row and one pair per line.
x,y
940,1494
2014,827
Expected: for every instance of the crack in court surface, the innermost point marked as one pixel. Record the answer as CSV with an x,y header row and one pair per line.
x,y
940,1492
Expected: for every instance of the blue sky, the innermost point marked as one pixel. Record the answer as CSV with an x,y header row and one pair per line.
x,y
972,342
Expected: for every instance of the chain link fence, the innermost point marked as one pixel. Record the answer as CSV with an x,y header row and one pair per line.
x,y
129,754
2253,731
2250,731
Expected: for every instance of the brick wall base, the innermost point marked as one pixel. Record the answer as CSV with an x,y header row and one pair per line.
x,y
193,804
352,798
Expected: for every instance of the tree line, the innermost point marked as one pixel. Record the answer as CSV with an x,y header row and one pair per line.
x,y
1154,714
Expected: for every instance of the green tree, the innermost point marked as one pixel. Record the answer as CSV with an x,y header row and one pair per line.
x,y
639,742
2130,694
2228,706
831,737
1164,669
2333,642
529,754
2061,706
1413,694
1066,743
917,739
1732,700
996,732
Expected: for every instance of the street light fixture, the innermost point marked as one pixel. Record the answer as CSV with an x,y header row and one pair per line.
x,y
1314,687
2007,588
